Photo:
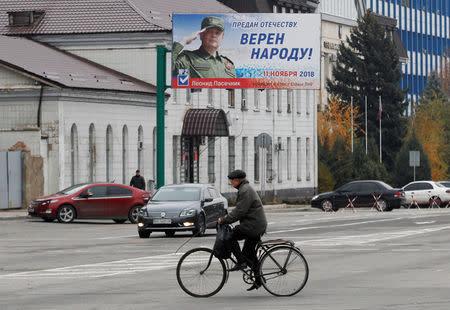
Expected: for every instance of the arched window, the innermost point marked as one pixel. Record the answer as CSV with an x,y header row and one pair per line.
x,y
109,153
140,148
154,154
91,152
73,154
124,153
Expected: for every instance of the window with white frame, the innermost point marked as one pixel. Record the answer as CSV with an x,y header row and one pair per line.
x,y
73,154
269,169
289,101
211,159
109,152
210,98
244,153
308,101
140,147
176,157
299,159
257,94
308,160
256,159
91,152
188,96
244,100
231,153
279,100
288,159
269,99
279,160
124,154
231,98
298,108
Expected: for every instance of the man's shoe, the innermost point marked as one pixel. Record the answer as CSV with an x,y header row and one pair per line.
x,y
238,266
255,286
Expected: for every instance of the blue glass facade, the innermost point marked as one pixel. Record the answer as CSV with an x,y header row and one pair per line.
x,y
424,29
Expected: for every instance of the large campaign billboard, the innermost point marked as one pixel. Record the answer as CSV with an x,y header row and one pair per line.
x,y
279,51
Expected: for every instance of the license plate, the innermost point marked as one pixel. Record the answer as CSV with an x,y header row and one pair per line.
x,y
162,221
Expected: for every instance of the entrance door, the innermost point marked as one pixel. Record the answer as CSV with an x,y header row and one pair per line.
x,y
189,158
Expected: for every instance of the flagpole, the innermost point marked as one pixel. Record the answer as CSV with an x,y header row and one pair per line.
x,y
366,121
351,111
379,116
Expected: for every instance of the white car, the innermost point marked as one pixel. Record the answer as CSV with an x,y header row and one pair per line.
x,y
423,192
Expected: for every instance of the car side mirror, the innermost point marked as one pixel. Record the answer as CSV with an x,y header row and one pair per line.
x,y
86,195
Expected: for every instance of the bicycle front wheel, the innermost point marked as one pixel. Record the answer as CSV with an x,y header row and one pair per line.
x,y
284,271
200,273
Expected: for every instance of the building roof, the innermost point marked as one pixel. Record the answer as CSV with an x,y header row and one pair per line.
x,y
100,16
54,67
266,6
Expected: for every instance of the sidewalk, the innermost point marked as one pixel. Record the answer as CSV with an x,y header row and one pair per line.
x,y
14,214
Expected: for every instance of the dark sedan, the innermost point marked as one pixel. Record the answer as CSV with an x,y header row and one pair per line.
x,y
186,207
362,194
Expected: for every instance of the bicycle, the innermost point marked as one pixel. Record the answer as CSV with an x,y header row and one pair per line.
x,y
281,266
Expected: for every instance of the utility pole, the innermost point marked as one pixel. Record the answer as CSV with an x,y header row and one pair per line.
x,y
161,87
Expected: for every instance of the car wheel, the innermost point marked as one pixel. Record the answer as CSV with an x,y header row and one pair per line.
x,y
383,205
437,200
119,221
144,234
170,233
201,226
133,214
327,205
48,219
66,214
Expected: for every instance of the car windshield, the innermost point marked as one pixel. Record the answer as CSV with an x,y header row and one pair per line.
x,y
177,194
72,189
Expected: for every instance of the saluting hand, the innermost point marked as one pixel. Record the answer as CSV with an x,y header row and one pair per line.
x,y
188,39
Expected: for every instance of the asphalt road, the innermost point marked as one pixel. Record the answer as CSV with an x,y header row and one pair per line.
x,y
363,260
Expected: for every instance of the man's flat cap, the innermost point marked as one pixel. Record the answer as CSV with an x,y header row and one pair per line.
x,y
237,174
213,22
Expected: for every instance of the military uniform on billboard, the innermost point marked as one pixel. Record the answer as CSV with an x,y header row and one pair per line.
x,y
200,63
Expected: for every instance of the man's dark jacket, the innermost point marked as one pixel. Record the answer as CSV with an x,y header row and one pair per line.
x,y
249,212
138,181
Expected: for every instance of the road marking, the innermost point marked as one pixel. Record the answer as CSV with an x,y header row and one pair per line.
x,y
328,226
423,223
105,269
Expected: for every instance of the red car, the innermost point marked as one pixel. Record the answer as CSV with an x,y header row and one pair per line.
x,y
91,201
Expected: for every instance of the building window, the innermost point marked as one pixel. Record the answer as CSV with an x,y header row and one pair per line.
x,y
299,159
269,170
279,168
244,153
24,18
154,155
176,153
91,152
244,100
257,94
73,154
124,154
269,99
140,148
298,108
279,100
231,98
256,160
307,101
109,152
211,159
308,163
188,96
288,159
231,153
210,98
290,99
174,95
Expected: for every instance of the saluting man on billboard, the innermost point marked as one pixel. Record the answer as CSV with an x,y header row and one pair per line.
x,y
205,62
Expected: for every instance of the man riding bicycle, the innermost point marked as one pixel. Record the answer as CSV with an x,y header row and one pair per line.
x,y
249,212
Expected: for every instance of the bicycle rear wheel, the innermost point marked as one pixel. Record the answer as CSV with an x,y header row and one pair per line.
x,y
201,274
284,271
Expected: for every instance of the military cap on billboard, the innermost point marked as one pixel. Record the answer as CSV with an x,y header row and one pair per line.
x,y
213,22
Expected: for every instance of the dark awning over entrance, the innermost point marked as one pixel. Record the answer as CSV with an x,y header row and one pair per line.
x,y
205,122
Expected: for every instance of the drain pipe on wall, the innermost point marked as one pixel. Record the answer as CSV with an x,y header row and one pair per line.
x,y
40,106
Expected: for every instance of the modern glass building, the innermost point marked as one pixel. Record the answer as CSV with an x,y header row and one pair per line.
x,y
424,29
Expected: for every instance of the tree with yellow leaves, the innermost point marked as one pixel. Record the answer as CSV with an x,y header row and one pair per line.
x,y
336,122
